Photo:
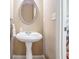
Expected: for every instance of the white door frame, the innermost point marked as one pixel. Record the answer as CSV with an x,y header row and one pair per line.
x,y
61,34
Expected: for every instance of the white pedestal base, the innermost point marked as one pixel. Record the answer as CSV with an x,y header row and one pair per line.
x,y
29,50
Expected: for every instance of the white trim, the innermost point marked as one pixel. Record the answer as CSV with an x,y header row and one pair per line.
x,y
24,57
64,11
58,29
60,35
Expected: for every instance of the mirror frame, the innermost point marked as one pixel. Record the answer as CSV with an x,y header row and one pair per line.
x,y
34,18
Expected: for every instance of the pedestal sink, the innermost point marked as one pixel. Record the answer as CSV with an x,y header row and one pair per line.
x,y
28,38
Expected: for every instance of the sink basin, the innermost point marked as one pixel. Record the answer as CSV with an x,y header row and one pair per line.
x,y
28,38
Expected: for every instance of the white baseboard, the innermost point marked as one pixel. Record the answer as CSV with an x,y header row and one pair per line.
x,y
24,57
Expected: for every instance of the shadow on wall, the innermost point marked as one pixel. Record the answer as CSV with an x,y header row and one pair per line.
x,y
20,49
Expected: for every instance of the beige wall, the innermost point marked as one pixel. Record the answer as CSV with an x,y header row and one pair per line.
x,y
36,26
19,47
49,29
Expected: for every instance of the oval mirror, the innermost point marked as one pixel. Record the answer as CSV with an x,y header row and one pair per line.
x,y
28,11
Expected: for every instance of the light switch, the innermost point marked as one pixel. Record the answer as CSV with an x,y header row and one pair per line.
x,y
53,17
